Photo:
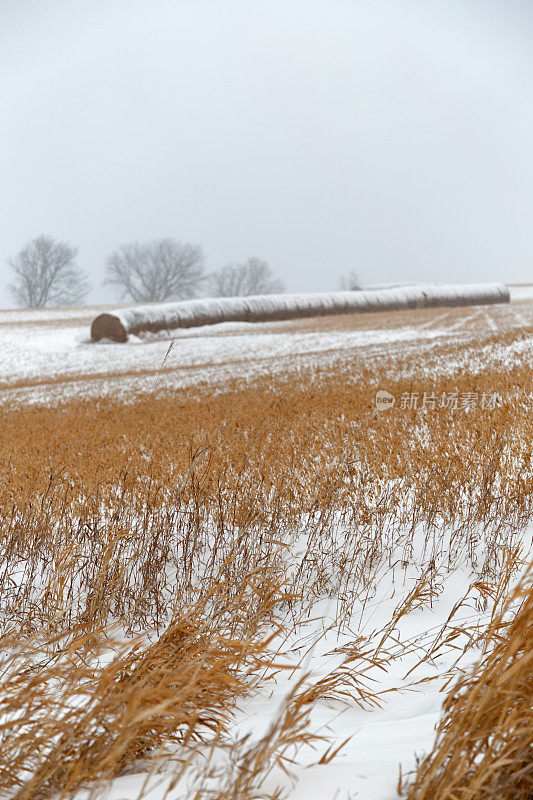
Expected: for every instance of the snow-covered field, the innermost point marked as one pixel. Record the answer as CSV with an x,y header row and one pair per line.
x,y
47,357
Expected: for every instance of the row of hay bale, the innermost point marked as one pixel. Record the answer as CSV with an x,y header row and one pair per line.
x,y
118,325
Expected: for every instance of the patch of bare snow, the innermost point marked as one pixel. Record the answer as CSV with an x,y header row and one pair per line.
x,y
380,740
44,353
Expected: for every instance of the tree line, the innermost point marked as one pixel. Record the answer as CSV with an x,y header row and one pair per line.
x,y
45,273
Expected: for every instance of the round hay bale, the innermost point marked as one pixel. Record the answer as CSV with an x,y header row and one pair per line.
x,y
262,308
107,326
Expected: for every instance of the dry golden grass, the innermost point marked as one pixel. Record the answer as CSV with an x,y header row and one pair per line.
x,y
69,719
484,747
168,482
177,516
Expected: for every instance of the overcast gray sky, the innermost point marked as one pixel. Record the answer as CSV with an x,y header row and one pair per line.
x,y
393,137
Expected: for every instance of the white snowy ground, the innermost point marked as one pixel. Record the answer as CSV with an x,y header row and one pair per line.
x,y
46,356
218,350
380,740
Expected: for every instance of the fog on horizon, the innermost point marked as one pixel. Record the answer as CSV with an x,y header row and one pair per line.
x,y
389,137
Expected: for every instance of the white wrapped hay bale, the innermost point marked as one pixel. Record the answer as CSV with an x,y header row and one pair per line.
x,y
117,325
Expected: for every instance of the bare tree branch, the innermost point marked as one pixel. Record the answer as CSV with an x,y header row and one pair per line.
x,y
46,274
350,282
164,269
242,280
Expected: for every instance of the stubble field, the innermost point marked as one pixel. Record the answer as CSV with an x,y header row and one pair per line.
x,y
226,574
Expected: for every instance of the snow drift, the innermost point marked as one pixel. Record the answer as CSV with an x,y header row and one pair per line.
x,y
117,325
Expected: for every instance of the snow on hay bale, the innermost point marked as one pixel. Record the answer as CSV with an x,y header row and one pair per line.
x,y
117,325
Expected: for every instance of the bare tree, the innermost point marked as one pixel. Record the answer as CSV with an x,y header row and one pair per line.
x,y
46,274
350,282
242,280
164,269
